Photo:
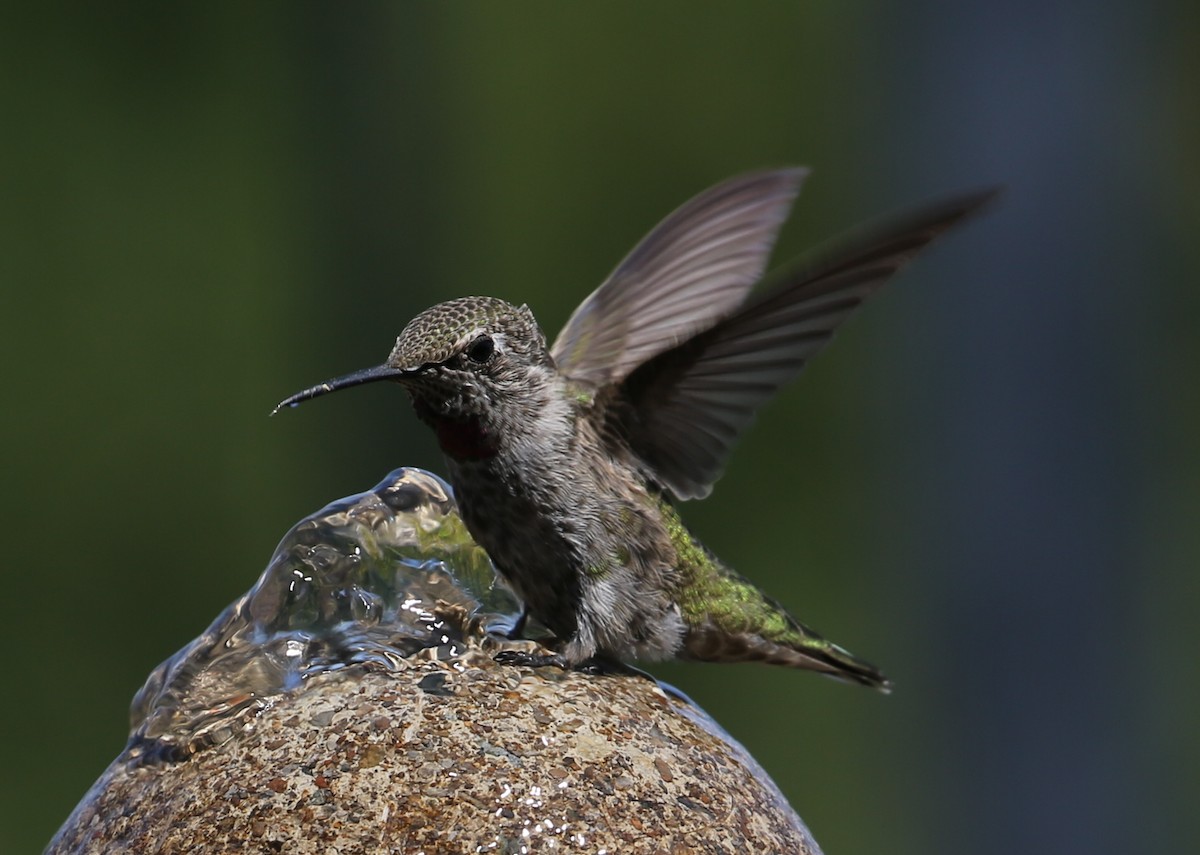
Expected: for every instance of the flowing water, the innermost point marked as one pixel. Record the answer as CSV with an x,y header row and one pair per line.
x,y
369,580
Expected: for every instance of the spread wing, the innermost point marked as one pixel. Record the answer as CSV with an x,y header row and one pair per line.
x,y
695,267
690,404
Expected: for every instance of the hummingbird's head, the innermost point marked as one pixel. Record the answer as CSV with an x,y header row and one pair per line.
x,y
463,359
470,357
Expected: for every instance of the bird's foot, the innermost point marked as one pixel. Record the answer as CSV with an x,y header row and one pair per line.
x,y
603,666
529,659
596,666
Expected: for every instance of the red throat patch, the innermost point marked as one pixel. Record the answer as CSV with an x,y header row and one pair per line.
x,y
465,440
462,439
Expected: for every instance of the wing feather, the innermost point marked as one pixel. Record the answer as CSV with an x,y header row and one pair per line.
x,y
691,403
690,271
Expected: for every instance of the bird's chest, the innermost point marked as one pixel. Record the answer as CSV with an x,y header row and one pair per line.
x,y
582,547
532,527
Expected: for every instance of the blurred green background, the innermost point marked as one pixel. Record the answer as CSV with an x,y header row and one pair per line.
x,y
989,485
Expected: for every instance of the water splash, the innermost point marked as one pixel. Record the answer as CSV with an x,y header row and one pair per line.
x,y
369,580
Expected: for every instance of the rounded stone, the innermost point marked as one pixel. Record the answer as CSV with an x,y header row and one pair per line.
x,y
468,756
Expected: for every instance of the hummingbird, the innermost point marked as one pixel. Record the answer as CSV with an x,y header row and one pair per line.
x,y
567,460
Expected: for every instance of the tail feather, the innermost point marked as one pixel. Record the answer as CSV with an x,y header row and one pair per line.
x,y
800,649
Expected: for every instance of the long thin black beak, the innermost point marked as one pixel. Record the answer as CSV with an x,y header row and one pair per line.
x,y
367,375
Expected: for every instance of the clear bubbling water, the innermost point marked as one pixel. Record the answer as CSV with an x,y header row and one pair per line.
x,y
369,580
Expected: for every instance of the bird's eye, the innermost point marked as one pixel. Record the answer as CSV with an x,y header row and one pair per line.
x,y
481,349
